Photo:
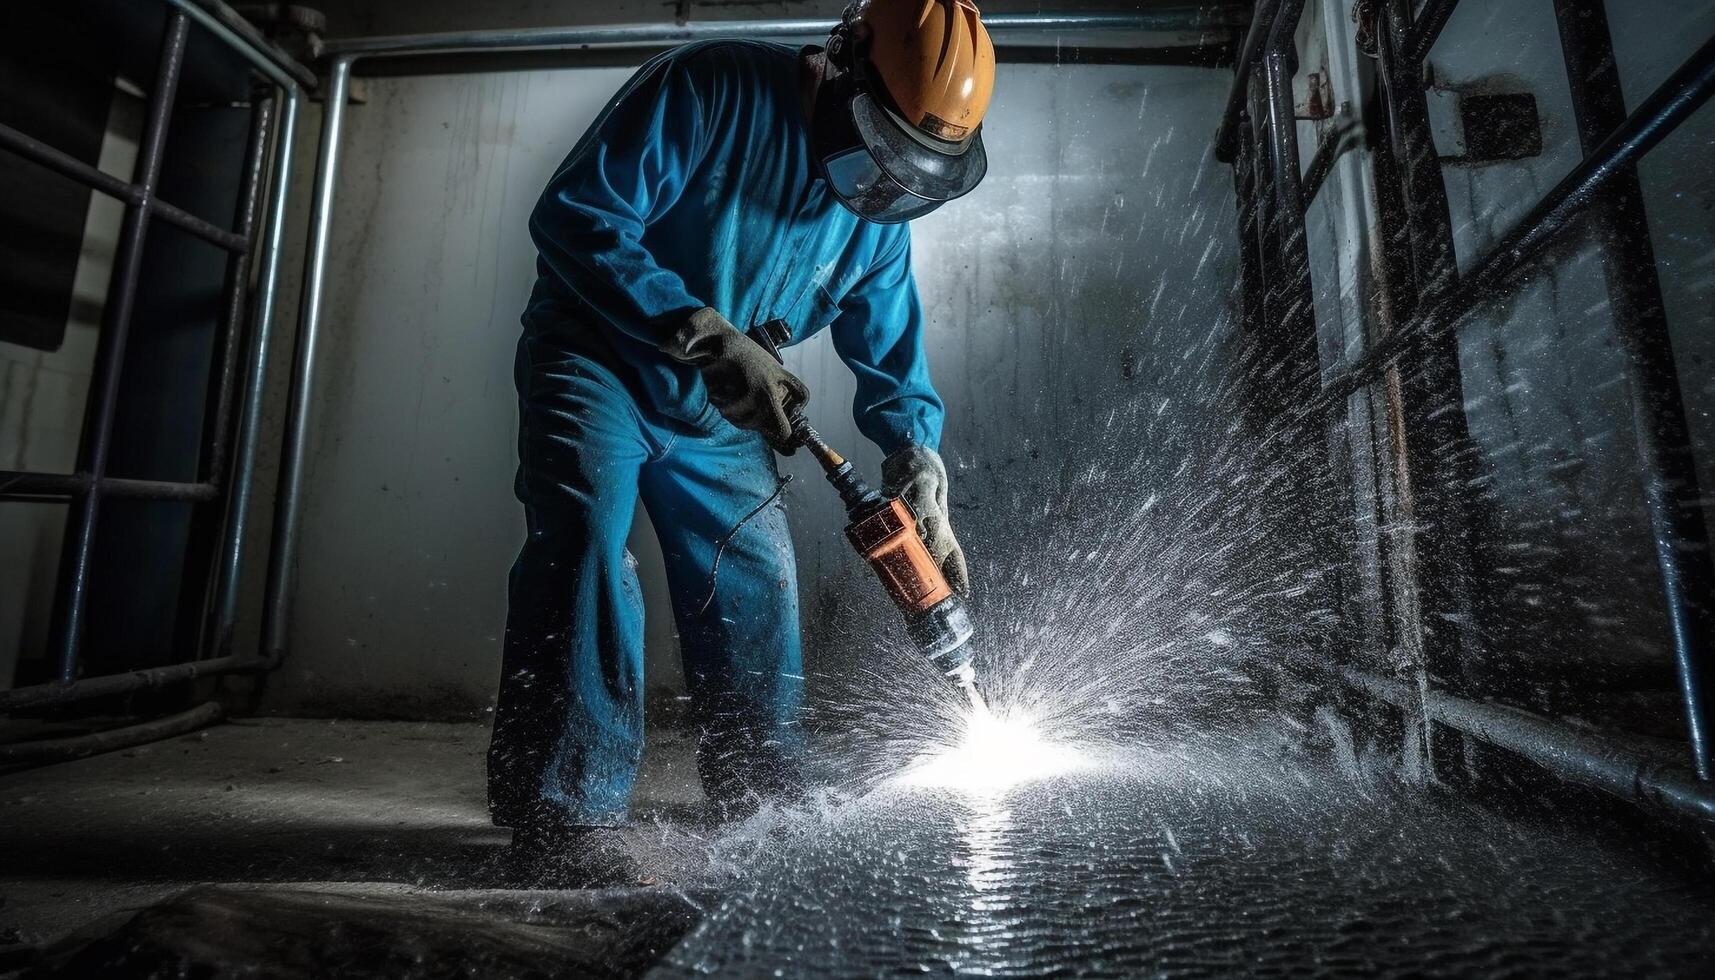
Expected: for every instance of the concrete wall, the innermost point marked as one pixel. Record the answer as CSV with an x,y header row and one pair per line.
x,y
1104,225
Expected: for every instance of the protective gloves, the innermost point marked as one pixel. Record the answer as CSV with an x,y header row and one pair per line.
x,y
746,384
917,474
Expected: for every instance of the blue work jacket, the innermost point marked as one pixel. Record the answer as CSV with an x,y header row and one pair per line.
x,y
697,187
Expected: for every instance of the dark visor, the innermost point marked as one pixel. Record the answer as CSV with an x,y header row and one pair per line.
x,y
884,172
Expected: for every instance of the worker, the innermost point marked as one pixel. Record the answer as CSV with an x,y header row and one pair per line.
x,y
729,184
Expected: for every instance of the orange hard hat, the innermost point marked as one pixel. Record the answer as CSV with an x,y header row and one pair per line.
x,y
935,59
897,129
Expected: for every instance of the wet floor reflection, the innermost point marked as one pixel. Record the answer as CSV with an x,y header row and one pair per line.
x,y
1195,861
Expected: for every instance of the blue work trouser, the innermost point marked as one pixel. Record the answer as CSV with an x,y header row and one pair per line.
x,y
568,726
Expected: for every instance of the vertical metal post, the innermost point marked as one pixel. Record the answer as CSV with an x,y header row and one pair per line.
x,y
1262,187
1434,459
67,630
289,505
231,558
230,338
1228,138
1327,506
1671,492
1297,313
1250,270
1430,20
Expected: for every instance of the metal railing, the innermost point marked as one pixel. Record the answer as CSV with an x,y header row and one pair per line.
x,y
1430,300
226,466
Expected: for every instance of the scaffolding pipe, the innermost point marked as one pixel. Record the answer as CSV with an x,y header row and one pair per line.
x,y
1181,18
154,678
1575,756
231,558
1426,28
243,38
90,483
282,558
47,751
1668,106
231,334
67,629
15,485
72,168
1226,137
1664,448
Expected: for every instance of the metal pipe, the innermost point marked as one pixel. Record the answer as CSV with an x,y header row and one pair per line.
x,y
1426,28
67,630
1665,456
49,695
1298,315
230,337
1433,562
1176,19
38,152
15,485
1342,137
1669,105
1328,505
1576,756
241,36
47,751
1226,137
231,559
1250,261
205,230
289,503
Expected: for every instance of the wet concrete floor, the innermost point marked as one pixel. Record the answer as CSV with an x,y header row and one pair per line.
x,y
1207,861
1227,857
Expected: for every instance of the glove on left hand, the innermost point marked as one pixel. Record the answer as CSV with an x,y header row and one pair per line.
x,y
917,474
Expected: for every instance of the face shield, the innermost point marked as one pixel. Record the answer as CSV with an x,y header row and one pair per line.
x,y
882,168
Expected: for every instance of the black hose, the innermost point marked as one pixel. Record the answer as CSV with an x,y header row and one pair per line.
x,y
715,571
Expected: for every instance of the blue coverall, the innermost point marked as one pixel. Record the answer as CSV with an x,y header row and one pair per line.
x,y
696,187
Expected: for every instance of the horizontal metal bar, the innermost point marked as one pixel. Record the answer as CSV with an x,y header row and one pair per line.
x,y
243,37
1430,20
23,485
207,231
1669,105
1226,145
65,692
47,751
1177,19
1573,755
72,168
64,164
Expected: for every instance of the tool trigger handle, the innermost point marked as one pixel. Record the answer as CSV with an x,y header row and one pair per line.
x,y
773,336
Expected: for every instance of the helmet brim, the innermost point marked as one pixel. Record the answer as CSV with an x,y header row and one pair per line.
x,y
927,167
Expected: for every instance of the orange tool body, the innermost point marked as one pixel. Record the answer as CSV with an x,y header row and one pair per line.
x,y
884,531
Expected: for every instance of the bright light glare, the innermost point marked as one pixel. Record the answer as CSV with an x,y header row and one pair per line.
x,y
996,753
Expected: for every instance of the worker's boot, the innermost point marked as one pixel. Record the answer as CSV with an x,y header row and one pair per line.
x,y
550,853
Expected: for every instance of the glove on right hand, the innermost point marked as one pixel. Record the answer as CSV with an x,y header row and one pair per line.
x,y
746,384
